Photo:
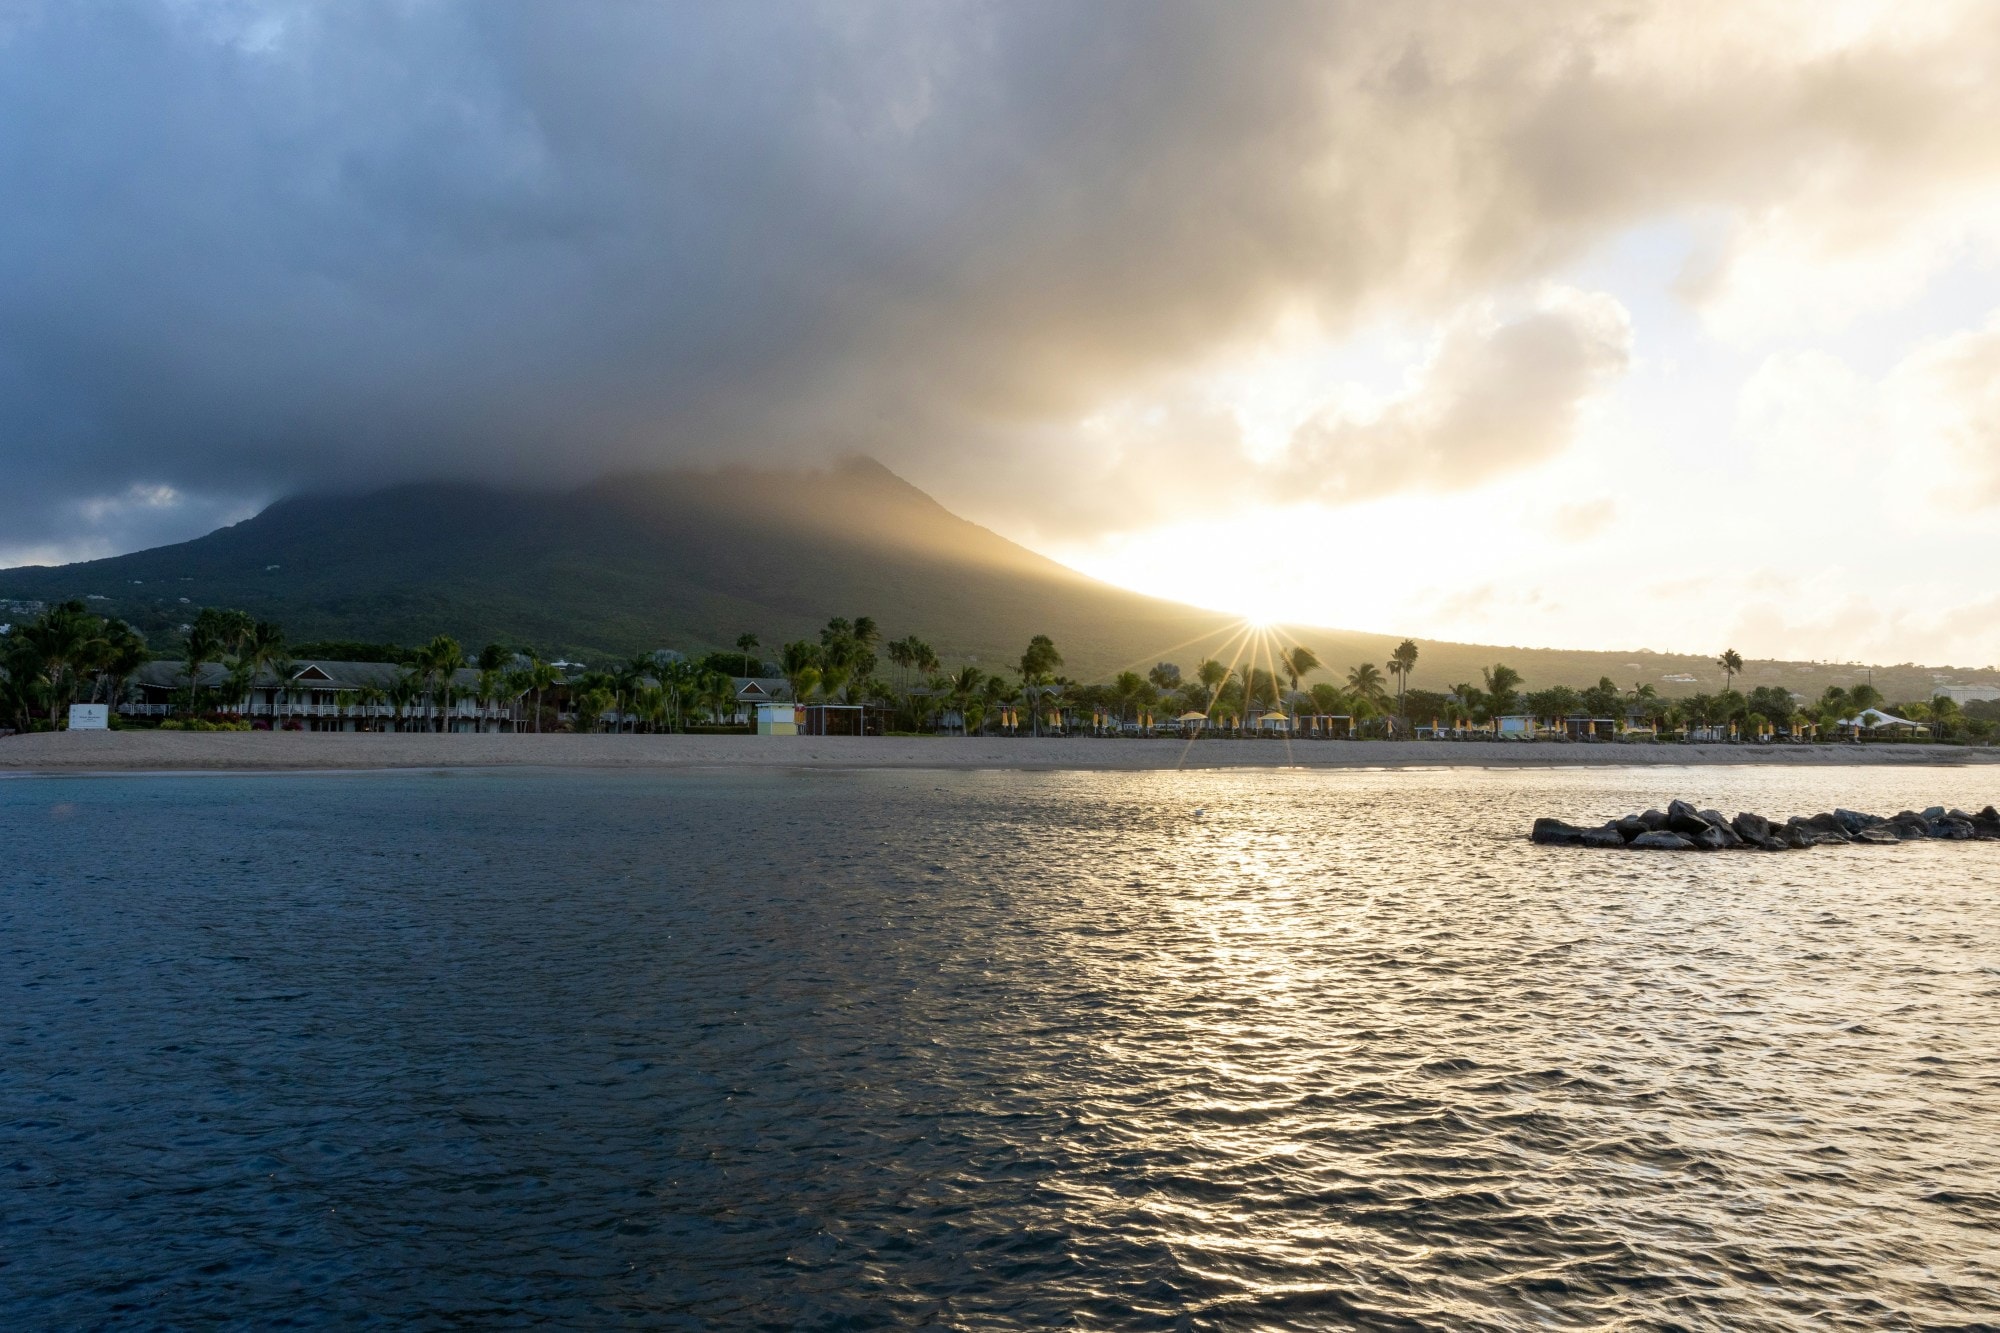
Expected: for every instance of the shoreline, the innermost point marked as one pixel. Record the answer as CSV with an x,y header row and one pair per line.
x,y
162,752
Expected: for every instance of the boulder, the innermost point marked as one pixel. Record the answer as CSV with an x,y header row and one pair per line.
x,y
1877,836
1713,839
1662,841
1553,832
1934,812
1987,821
1608,836
1654,819
1631,826
1853,821
1685,820
1909,825
1730,837
1751,828
1957,830
1828,826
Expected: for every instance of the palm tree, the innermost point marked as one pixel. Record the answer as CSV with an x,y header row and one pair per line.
x,y
404,691
1297,661
1038,665
1501,682
745,644
795,660
123,652
203,646
62,644
439,662
965,687
1401,663
1365,682
541,676
366,700
1731,662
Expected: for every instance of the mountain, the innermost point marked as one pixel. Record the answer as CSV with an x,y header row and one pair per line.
x,y
691,559
629,563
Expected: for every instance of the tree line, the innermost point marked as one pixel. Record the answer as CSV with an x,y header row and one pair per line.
x,y
69,654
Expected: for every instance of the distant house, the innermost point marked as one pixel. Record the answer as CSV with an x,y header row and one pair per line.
x,y
320,696
753,692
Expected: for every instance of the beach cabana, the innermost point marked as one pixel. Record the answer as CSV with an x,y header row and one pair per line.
x,y
1275,724
1191,722
1874,719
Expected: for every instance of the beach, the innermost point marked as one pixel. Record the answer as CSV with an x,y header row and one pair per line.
x,y
172,751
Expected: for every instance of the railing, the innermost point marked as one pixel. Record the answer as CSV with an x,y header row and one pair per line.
x,y
458,712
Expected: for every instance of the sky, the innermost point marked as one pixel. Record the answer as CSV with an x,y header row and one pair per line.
x,y
1587,324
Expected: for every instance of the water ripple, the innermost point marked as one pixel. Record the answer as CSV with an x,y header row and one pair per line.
x,y
988,1051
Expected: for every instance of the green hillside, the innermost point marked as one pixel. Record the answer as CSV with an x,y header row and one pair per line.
x,y
690,560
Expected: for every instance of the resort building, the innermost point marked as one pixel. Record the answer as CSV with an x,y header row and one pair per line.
x,y
322,696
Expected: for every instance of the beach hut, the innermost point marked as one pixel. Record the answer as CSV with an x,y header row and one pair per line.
x,y
775,719
1874,720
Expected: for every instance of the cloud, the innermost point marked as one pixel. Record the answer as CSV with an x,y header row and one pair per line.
x,y
1930,425
1946,398
1582,520
1493,398
248,249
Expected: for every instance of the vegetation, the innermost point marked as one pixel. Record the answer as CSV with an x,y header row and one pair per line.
x,y
70,653
66,655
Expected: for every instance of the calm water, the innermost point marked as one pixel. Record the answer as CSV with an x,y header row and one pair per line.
x,y
988,1051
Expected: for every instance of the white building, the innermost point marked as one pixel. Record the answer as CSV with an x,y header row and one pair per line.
x,y
323,696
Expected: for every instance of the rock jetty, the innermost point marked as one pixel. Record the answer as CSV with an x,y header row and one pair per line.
x,y
1682,828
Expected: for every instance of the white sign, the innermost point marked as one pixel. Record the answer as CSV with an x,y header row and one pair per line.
x,y
89,717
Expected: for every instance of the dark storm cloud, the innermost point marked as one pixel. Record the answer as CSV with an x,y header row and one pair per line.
x,y
248,248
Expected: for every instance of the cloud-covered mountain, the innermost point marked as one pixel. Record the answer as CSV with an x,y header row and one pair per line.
x,y
252,249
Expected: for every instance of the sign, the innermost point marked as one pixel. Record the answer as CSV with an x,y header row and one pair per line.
x,y
90,717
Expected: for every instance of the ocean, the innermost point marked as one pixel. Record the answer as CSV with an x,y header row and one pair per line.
x,y
993,1050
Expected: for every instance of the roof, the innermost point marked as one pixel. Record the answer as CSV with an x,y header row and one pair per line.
x,y
1875,717
309,674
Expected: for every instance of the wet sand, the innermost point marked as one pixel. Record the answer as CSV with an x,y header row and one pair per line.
x,y
144,751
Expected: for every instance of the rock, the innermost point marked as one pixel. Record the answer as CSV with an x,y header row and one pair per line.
x,y
1632,826
1653,819
1934,812
1608,836
1797,836
1662,841
1957,830
1713,839
1828,826
1751,828
1987,821
1730,837
1685,820
1909,825
1878,836
1553,832
1853,821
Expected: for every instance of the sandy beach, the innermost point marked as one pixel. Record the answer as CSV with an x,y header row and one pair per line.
x,y
142,751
